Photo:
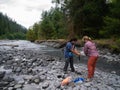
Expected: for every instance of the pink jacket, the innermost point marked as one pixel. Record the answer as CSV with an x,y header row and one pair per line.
x,y
90,49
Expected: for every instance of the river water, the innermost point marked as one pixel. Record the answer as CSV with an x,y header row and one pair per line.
x,y
102,63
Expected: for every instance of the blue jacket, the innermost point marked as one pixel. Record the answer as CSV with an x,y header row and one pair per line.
x,y
67,50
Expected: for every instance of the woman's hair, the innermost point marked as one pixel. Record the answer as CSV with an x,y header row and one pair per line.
x,y
86,38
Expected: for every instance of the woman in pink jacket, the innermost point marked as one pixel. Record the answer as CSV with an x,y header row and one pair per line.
x,y
90,50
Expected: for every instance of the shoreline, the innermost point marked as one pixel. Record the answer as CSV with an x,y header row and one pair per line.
x,y
44,72
108,61
110,44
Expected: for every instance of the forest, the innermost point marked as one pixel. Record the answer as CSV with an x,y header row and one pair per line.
x,y
99,19
9,29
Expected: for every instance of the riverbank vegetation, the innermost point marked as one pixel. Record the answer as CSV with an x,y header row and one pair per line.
x,y
74,18
98,19
9,29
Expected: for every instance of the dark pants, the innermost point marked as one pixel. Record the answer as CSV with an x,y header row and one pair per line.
x,y
67,61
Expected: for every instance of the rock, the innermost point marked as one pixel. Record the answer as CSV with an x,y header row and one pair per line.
x,y
18,86
57,84
45,85
10,88
94,89
3,84
12,84
21,82
30,87
18,69
27,77
8,79
118,88
37,81
110,88
88,84
2,74
83,87
42,77
30,70
76,88
113,72
18,89
102,87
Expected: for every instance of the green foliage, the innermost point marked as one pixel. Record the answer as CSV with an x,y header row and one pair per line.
x,y
31,35
47,29
96,18
10,29
112,27
13,36
86,16
112,22
52,26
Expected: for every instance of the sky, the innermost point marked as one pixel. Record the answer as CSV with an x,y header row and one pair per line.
x,y
25,12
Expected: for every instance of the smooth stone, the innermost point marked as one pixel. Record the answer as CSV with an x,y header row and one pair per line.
x,y
17,86
45,85
10,88
30,87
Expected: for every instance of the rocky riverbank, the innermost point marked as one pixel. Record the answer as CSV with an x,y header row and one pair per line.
x,y
32,69
107,59
29,70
